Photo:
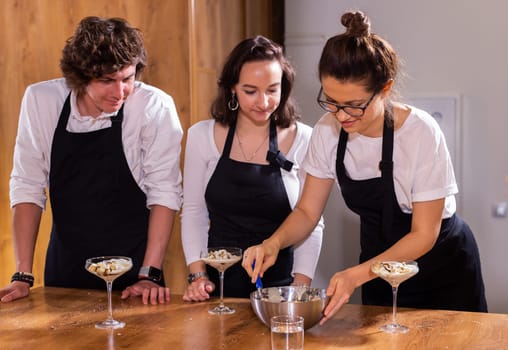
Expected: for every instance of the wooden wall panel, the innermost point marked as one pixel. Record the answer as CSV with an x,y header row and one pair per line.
x,y
258,18
216,27
28,33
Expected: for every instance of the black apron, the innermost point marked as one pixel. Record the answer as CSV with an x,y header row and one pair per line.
x,y
246,204
98,208
450,273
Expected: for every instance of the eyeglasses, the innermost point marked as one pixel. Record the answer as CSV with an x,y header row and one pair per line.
x,y
331,107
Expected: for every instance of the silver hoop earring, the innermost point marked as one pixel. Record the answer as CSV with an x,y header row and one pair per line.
x,y
233,103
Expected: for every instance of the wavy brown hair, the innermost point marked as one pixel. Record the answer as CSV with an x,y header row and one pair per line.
x,y
249,50
101,46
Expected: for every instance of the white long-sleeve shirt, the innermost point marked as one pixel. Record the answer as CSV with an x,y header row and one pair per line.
x,y
151,137
201,158
422,168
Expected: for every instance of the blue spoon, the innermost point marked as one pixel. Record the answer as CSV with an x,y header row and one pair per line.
x,y
259,283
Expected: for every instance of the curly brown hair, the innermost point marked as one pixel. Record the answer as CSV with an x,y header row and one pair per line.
x,y
258,48
101,46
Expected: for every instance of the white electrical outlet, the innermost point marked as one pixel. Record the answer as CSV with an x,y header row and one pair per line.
x,y
500,210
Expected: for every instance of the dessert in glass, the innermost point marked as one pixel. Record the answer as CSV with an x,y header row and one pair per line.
x,y
221,258
395,272
109,268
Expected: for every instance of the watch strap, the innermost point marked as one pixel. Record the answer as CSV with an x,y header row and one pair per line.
x,y
196,275
26,277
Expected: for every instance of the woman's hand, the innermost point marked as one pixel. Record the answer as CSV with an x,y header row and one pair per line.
x,y
257,259
339,290
199,290
149,292
13,291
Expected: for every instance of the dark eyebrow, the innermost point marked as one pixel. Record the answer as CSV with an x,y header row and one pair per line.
x,y
346,103
255,87
108,77
130,76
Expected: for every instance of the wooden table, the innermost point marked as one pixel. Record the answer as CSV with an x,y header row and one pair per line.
x,y
59,319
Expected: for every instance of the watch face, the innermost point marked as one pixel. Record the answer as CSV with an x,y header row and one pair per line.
x,y
151,273
154,273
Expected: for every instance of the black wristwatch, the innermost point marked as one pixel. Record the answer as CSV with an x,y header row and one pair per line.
x,y
150,273
196,275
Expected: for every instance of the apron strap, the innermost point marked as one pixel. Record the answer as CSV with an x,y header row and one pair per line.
x,y
229,140
386,167
64,114
117,119
274,155
341,151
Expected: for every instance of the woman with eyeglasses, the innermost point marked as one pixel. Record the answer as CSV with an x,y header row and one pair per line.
x,y
393,168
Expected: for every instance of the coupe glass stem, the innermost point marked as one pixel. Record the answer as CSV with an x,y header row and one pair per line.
x,y
394,310
109,285
221,279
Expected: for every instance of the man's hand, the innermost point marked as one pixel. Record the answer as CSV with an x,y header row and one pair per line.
x,y
149,291
13,291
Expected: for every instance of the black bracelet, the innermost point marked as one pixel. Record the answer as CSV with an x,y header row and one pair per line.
x,y
26,277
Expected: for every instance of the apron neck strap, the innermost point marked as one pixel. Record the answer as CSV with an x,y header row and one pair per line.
x,y
274,155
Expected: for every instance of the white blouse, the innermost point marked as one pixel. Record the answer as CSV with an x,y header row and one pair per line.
x,y
201,158
423,170
151,137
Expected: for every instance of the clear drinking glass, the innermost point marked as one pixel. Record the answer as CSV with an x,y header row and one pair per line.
x,y
395,272
221,258
109,268
287,332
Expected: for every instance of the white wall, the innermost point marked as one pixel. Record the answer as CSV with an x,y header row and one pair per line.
x,y
448,47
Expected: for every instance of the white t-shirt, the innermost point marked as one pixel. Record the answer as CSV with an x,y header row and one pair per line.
x,y
423,170
201,158
151,137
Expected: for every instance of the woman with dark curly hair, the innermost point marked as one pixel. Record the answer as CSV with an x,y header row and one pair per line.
x,y
107,146
393,168
242,171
